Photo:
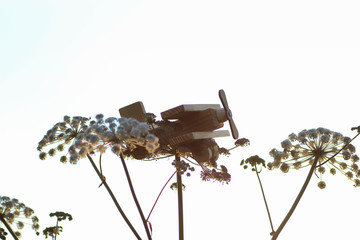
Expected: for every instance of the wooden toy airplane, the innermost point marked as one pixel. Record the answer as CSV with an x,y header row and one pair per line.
x,y
194,126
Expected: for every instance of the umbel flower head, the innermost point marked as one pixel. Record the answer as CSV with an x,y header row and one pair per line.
x,y
15,212
55,230
87,136
253,162
60,216
334,152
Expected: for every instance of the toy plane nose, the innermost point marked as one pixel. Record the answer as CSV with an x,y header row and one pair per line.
x,y
221,115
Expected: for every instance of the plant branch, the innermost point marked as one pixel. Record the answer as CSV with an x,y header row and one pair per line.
x,y
135,198
292,209
266,205
180,198
2,219
160,195
113,198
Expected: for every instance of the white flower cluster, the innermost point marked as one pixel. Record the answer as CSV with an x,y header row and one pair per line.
x,y
63,132
114,133
98,135
300,150
12,210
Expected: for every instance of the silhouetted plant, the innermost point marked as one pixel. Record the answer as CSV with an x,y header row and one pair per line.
x,y
87,137
321,149
129,138
55,230
256,163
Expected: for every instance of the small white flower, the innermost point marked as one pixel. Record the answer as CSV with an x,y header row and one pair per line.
x,y
346,154
101,148
82,152
135,133
284,168
20,225
116,148
286,144
94,139
351,148
292,137
337,137
324,138
312,134
355,158
349,174
110,119
297,165
302,135
99,117
321,169
321,184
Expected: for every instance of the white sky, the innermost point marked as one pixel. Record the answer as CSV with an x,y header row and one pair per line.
x,y
285,66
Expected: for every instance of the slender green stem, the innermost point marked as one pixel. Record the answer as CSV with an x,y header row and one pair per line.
x,y
2,219
180,198
113,198
266,205
292,209
135,198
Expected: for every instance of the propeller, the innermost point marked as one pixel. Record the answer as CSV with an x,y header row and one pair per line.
x,y
234,131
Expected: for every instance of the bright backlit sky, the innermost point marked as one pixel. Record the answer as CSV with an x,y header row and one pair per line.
x,y
284,65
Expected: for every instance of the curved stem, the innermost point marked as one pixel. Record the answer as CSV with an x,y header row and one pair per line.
x,y
2,219
113,198
160,195
292,209
263,194
135,198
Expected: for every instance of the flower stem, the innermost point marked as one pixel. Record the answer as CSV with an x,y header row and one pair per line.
x,y
180,198
57,227
113,198
292,209
263,194
160,195
2,219
135,198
